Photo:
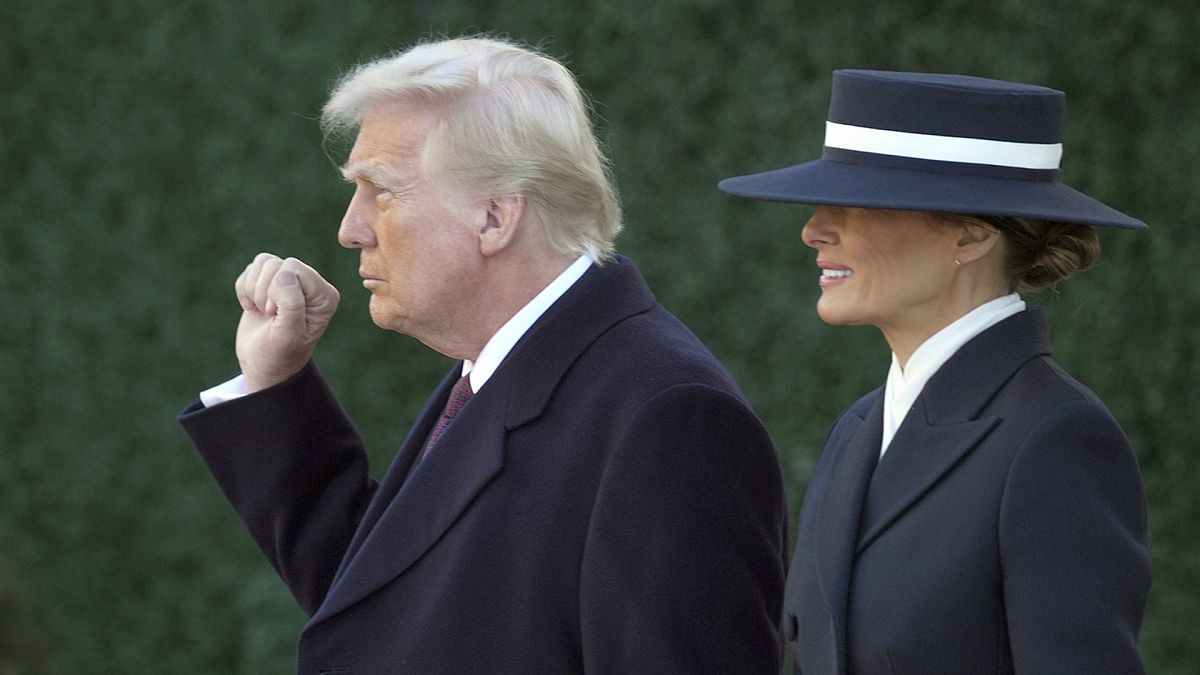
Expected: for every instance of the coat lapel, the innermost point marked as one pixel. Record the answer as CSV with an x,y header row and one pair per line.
x,y
920,454
944,425
398,472
856,453
437,490
417,503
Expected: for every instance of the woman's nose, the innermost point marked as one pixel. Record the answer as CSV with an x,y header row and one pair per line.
x,y
817,230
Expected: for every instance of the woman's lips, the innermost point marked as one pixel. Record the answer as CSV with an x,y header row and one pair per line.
x,y
833,274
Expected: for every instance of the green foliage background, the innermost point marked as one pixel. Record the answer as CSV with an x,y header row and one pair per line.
x,y
150,149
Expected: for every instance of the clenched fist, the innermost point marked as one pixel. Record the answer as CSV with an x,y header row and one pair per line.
x,y
287,306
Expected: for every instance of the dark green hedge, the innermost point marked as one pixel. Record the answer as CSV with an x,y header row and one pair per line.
x,y
150,149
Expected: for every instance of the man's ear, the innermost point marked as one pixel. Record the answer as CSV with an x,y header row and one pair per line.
x,y
502,219
976,240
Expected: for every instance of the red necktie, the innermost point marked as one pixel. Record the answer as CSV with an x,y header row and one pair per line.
x,y
459,396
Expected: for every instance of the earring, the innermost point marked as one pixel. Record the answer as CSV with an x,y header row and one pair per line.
x,y
957,262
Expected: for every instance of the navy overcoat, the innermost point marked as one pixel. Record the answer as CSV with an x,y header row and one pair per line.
x,y
1003,531
608,503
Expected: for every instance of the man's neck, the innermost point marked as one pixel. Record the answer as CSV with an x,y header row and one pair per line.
x,y
506,337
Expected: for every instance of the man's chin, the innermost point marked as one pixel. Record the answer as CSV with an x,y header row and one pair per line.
x,y
384,319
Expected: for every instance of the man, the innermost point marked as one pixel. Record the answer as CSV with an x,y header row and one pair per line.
x,y
586,491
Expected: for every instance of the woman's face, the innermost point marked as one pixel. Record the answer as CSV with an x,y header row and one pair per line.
x,y
890,269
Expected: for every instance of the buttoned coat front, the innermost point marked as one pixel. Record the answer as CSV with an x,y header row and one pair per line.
x,y
608,502
1004,530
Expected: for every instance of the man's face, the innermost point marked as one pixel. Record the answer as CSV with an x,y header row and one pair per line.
x,y
420,257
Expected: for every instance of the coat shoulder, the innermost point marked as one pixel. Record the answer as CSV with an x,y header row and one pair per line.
x,y
654,351
1039,389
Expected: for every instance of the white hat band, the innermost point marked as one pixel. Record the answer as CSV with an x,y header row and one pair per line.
x,y
943,148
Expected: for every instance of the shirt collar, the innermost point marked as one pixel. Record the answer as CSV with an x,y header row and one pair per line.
x,y
904,385
500,344
941,345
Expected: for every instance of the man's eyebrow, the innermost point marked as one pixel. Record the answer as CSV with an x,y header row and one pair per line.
x,y
353,172
373,173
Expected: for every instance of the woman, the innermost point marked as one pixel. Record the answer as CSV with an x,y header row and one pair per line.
x,y
982,512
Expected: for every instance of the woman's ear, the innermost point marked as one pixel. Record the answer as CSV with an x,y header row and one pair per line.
x,y
976,240
502,219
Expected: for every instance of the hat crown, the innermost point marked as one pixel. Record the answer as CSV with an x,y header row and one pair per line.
x,y
947,105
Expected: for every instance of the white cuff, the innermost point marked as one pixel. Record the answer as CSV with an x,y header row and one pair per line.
x,y
226,391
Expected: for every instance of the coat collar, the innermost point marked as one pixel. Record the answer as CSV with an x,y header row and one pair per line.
x,y
969,379
600,299
413,508
944,424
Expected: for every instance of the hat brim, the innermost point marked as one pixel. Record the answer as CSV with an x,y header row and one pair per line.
x,y
824,181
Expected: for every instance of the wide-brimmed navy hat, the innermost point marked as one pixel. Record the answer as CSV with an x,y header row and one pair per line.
x,y
930,142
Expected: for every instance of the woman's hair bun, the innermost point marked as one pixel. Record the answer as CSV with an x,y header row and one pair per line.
x,y
1042,253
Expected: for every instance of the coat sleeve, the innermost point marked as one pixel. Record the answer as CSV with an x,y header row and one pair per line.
x,y
684,562
294,468
1074,552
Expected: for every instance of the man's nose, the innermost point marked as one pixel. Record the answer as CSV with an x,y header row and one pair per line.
x,y
354,231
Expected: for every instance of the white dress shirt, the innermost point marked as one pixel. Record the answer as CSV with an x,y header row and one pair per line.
x,y
905,384
490,357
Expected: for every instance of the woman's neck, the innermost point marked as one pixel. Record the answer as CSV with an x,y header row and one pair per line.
x,y
907,333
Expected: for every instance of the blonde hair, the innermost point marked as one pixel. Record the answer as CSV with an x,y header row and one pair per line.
x,y
513,122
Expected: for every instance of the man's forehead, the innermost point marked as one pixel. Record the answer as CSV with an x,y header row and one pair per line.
x,y
375,148
380,158
389,134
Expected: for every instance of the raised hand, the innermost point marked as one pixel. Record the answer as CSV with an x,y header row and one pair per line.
x,y
286,306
